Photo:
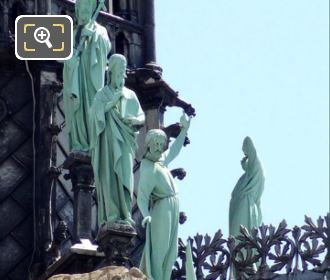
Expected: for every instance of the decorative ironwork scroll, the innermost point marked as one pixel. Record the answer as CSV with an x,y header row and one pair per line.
x,y
264,253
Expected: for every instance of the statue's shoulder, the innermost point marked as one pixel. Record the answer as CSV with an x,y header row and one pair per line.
x,y
147,164
128,93
101,30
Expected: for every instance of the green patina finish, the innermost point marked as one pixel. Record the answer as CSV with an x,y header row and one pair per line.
x,y
84,73
190,271
114,118
158,189
245,199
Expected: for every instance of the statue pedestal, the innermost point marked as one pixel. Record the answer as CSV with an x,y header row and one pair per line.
x,y
115,240
80,258
82,178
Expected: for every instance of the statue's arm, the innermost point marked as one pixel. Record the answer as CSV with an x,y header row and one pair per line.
x,y
96,119
176,147
144,189
140,117
107,43
136,117
137,120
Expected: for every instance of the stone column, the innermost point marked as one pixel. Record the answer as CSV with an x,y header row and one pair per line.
x,y
82,178
149,28
133,10
123,9
149,36
42,7
49,7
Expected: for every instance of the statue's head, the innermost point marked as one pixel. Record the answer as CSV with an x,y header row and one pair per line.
x,y
155,144
117,70
248,150
84,10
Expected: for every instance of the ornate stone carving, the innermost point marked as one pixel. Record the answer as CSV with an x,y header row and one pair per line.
x,y
115,240
59,235
182,218
179,173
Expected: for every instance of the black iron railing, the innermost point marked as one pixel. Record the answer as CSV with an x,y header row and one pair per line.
x,y
265,253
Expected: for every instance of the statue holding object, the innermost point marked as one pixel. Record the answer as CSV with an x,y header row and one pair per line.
x,y
83,74
115,117
157,189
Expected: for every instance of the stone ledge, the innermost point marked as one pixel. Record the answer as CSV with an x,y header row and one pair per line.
x,y
106,273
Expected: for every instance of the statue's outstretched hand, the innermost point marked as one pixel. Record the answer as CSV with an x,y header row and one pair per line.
x,y
184,121
146,220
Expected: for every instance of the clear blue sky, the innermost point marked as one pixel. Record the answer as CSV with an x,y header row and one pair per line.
x,y
257,68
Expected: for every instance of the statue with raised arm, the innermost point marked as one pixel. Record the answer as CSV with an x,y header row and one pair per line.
x,y
115,117
83,74
159,203
245,199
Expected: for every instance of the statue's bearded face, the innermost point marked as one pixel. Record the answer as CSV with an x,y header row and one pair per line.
x,y
156,147
118,74
84,11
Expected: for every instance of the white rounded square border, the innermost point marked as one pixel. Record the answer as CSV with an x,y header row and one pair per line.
x,y
58,16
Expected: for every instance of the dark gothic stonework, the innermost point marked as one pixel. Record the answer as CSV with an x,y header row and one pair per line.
x,y
16,165
82,179
115,240
37,202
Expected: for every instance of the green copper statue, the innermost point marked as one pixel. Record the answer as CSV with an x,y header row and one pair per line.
x,y
245,199
157,189
84,73
115,116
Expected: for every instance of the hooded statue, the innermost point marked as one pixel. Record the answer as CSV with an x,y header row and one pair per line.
x,y
245,199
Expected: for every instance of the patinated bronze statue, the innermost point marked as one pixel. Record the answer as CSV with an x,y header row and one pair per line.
x,y
115,117
157,188
245,199
84,73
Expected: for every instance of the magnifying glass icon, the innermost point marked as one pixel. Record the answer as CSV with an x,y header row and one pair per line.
x,y
41,35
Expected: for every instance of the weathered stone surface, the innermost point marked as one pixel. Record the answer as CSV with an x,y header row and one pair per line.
x,y
106,273
115,240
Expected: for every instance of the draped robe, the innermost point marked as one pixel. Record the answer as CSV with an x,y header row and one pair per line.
x,y
245,199
158,186
113,148
160,250
82,77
